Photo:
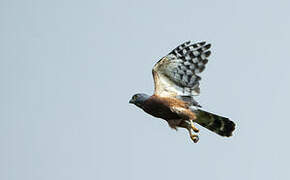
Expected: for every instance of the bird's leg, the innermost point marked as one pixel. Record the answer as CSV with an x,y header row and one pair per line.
x,y
188,126
193,127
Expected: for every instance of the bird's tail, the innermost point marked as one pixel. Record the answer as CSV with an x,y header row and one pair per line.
x,y
218,124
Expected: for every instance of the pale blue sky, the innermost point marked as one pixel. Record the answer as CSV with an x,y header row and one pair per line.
x,y
69,68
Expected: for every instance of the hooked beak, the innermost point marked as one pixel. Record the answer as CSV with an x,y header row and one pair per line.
x,y
131,101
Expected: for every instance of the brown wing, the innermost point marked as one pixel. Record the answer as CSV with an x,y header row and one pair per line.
x,y
176,74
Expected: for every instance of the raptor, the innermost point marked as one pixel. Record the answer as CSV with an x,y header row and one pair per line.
x,y
176,82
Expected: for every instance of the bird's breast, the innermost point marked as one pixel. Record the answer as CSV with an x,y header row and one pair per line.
x,y
159,108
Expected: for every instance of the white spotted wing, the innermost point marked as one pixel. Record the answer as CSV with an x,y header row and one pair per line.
x,y
176,74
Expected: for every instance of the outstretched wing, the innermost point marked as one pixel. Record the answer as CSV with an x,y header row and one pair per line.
x,y
176,74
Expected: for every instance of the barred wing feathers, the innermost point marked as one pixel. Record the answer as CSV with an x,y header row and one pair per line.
x,y
176,74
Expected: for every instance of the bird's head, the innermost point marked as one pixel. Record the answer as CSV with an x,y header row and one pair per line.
x,y
138,99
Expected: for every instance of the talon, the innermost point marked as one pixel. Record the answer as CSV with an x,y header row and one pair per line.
x,y
195,130
194,138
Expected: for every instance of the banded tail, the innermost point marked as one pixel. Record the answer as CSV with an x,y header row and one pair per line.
x,y
218,124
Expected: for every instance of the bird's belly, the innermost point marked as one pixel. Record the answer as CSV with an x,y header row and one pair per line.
x,y
161,111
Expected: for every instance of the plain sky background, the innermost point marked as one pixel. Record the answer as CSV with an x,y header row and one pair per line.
x,y
68,69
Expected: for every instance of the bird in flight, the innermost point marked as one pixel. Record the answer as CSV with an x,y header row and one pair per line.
x,y
176,82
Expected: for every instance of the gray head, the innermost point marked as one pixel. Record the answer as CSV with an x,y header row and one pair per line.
x,y
138,99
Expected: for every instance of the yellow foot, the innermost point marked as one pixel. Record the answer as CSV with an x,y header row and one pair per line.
x,y
194,138
193,127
